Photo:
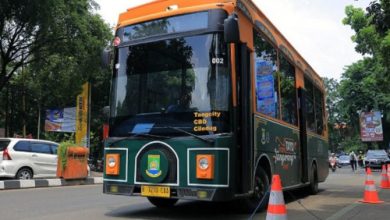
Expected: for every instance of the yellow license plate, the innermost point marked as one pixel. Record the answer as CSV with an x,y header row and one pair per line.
x,y
156,191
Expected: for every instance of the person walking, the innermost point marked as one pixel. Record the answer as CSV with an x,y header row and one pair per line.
x,y
352,160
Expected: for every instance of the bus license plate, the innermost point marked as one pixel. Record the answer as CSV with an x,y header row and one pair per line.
x,y
156,191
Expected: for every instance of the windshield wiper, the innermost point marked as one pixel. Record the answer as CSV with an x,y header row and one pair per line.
x,y
189,133
143,135
146,135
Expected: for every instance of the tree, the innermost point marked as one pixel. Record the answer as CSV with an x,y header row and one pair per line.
x,y
332,107
31,29
63,52
364,84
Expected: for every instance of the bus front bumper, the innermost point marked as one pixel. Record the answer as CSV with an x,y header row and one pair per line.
x,y
177,192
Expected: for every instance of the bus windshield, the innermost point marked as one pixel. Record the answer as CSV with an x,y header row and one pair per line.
x,y
168,86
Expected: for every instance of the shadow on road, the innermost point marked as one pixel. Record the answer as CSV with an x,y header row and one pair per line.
x,y
196,210
189,209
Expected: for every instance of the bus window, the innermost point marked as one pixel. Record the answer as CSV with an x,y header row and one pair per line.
x,y
319,112
314,108
288,91
266,77
311,124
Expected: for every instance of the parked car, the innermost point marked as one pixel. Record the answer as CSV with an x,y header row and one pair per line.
x,y
376,158
27,158
343,160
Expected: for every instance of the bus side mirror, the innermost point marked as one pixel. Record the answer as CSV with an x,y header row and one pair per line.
x,y
106,57
231,31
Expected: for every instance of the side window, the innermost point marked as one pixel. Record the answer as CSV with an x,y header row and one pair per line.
x,y
314,107
288,91
319,111
22,146
267,88
310,120
40,148
4,144
54,149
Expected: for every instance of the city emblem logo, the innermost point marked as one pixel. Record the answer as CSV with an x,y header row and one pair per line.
x,y
153,166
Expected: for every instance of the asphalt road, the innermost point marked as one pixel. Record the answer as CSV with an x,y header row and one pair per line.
x,y
336,200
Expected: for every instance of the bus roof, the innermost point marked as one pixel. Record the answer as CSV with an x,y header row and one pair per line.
x,y
246,8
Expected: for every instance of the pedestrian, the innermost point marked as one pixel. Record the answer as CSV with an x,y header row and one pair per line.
x,y
360,159
352,160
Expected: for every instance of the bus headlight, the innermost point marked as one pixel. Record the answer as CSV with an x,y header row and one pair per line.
x,y
203,163
205,166
112,164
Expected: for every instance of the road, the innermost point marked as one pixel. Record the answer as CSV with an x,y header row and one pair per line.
x,y
336,200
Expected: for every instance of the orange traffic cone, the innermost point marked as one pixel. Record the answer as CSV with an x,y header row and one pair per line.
x,y
388,173
276,207
370,193
384,179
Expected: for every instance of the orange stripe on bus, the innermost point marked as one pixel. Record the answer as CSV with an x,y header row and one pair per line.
x,y
234,74
131,16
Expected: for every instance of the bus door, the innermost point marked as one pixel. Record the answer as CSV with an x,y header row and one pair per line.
x,y
244,120
303,135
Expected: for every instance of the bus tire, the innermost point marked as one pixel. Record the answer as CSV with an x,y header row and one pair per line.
x,y
313,180
162,202
262,186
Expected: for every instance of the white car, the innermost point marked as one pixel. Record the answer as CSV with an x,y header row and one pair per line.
x,y
27,158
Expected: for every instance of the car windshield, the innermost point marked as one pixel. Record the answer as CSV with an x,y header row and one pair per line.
x,y
377,155
166,86
4,144
344,157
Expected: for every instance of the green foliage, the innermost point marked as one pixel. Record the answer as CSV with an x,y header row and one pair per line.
x,y
364,84
332,106
58,136
353,144
62,152
62,43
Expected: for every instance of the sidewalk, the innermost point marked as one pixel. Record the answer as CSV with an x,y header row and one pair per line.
x,y
94,178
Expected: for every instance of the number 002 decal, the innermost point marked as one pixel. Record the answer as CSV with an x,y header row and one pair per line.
x,y
217,61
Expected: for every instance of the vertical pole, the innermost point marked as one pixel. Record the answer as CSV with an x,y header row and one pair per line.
x,y
89,116
6,112
39,121
24,98
24,111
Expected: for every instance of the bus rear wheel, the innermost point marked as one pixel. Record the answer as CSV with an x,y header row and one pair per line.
x,y
260,197
162,202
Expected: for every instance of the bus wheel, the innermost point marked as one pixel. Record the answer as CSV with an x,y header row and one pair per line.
x,y
313,186
162,202
260,197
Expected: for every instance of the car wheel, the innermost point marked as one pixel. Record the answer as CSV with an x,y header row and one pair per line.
x,y
24,174
162,202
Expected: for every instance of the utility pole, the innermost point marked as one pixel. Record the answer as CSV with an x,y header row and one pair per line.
x,y
6,112
39,120
24,112
24,98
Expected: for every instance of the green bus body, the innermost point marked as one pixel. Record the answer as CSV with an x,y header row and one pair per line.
x,y
159,150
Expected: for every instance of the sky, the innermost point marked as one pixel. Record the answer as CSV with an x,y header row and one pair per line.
x,y
313,27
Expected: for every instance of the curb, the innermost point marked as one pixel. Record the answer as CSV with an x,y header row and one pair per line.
x,y
39,183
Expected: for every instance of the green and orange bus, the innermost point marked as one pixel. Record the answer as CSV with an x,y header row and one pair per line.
x,y
208,101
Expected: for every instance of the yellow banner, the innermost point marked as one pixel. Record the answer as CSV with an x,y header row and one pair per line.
x,y
82,117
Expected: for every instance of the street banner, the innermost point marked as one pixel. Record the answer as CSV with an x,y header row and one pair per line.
x,y
82,116
61,120
371,126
